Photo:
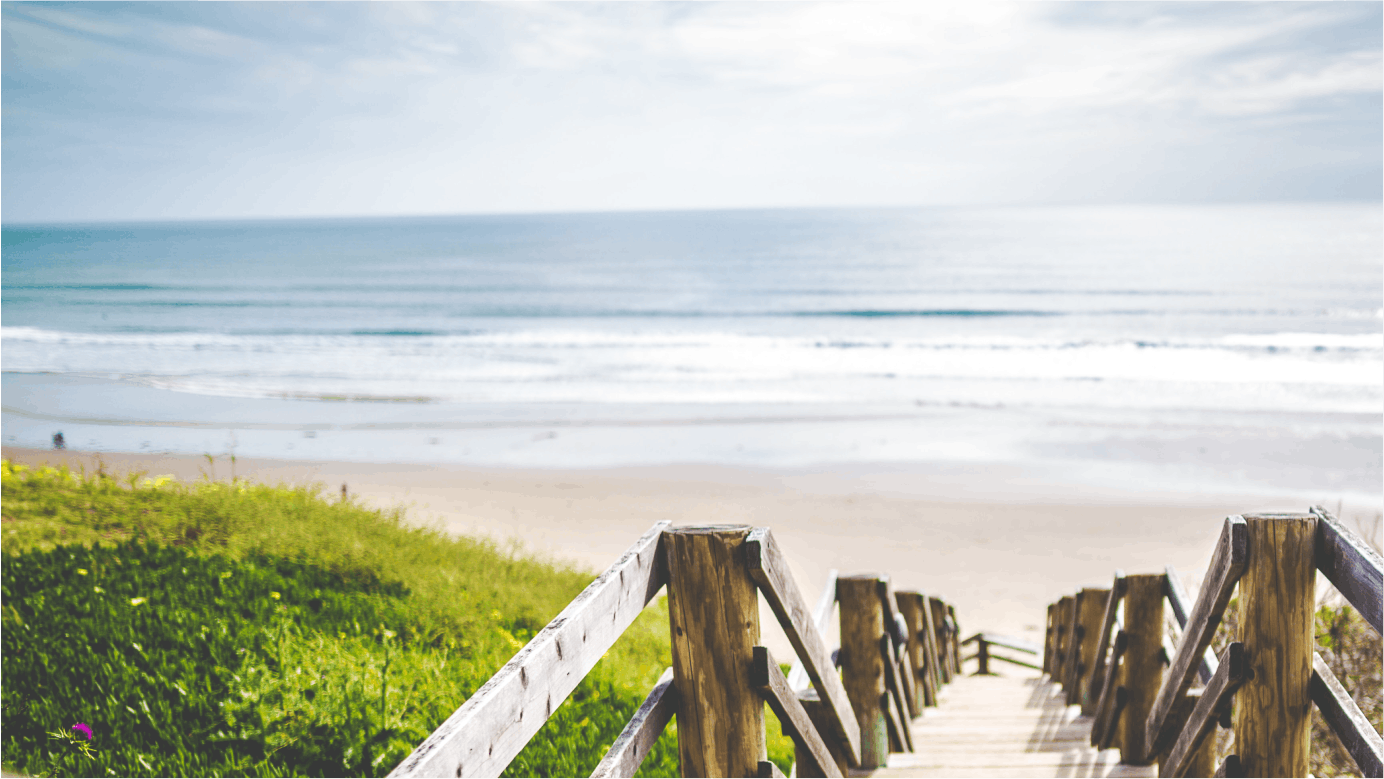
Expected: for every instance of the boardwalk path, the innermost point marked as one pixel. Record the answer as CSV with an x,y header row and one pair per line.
x,y
1005,726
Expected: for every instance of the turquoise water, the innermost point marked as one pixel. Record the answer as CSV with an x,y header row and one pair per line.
x,y
995,332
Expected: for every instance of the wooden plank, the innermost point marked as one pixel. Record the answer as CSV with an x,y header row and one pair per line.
x,y
938,612
934,663
1072,659
488,730
911,608
768,569
629,750
1062,618
1278,604
713,615
1346,719
862,664
1227,564
1232,673
816,712
1107,622
769,770
955,627
821,616
1092,609
1180,603
766,676
898,656
896,694
894,723
1349,562
1105,717
1012,661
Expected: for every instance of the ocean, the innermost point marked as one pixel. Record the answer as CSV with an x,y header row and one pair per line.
x,y
1210,348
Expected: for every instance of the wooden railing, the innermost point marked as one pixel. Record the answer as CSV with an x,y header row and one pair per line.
x,y
984,641
1109,648
845,708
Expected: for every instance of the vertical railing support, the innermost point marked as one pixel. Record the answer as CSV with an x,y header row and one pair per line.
x,y
1277,604
862,663
1062,617
1142,674
1090,612
938,609
982,656
910,605
713,611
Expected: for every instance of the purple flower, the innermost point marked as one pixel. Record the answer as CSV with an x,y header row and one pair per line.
x,y
84,729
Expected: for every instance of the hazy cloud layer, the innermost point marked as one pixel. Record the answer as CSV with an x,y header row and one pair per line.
x,y
169,110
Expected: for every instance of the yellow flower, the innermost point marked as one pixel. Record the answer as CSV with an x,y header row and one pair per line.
x,y
81,572
274,595
137,601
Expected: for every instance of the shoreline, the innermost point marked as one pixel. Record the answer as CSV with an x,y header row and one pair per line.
x,y
995,544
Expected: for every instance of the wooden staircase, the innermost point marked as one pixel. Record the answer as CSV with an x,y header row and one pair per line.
x,y
996,726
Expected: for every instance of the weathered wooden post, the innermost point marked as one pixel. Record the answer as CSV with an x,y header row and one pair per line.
x,y
982,656
1277,605
911,607
955,638
1089,613
862,664
939,626
1062,618
1143,662
1047,640
713,611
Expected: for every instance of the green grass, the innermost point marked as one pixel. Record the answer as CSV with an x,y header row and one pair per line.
x,y
233,629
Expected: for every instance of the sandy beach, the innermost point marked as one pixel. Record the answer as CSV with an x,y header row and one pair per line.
x,y
999,547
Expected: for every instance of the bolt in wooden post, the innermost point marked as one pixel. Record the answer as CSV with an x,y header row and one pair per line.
x,y
862,663
713,611
1277,604
1090,612
1143,662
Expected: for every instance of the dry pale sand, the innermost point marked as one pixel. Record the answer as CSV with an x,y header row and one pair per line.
x,y
996,546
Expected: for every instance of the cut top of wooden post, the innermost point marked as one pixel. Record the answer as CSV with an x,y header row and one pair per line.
x,y
771,573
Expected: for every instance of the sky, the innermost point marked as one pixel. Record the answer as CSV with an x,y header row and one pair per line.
x,y
116,111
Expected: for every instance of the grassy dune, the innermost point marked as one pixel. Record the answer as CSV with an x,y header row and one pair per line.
x,y
231,629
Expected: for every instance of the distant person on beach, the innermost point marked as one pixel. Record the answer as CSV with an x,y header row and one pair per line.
x,y
58,442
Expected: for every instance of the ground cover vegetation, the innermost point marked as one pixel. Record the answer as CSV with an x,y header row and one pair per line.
x,y
234,629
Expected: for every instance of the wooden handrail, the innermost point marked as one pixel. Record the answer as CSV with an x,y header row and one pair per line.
x,y
1351,565
1227,564
770,572
634,742
798,678
765,674
1346,720
489,729
1103,723
1233,672
1008,642
1112,603
1178,600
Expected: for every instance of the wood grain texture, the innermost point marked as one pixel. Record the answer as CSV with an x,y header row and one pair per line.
x,y
1230,767
1047,639
898,654
485,733
954,625
1277,614
1142,673
1071,662
862,663
770,572
1346,720
1112,602
1062,624
634,742
769,680
934,653
1352,565
1227,565
816,711
1181,607
821,617
1091,611
911,609
1230,675
938,611
768,770
1105,716
713,611
894,685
